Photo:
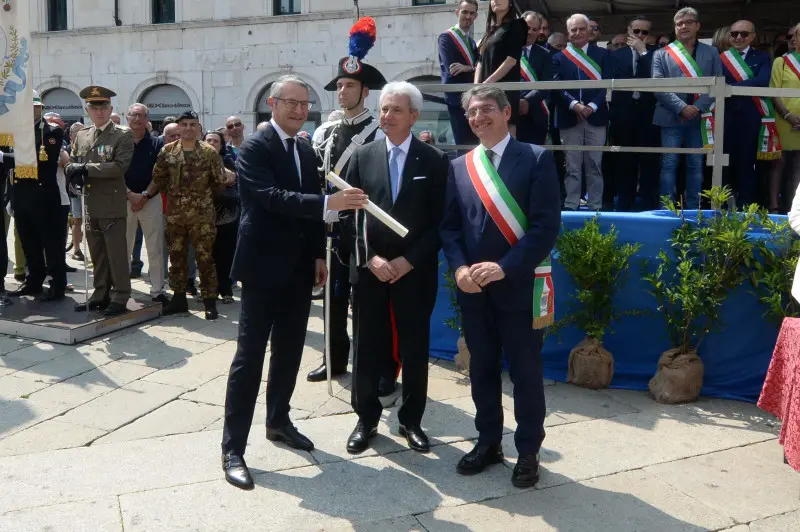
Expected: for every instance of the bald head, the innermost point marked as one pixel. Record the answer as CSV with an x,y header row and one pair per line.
x,y
743,33
235,129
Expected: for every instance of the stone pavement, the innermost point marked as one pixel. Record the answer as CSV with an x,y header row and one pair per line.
x,y
122,434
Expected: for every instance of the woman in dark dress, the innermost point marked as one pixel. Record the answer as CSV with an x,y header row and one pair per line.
x,y
501,49
227,218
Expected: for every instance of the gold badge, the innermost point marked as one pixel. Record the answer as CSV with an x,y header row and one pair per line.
x,y
95,91
52,141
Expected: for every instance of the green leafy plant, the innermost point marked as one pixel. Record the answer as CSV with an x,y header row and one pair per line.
x,y
599,267
772,274
711,256
454,321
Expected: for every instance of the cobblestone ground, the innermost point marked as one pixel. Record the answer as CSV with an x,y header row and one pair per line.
x,y
122,433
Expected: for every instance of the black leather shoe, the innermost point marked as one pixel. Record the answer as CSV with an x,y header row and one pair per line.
x,y
291,437
70,269
92,306
478,458
416,438
51,295
115,309
321,374
386,387
526,472
161,298
135,274
177,305
211,308
19,277
236,472
358,442
25,290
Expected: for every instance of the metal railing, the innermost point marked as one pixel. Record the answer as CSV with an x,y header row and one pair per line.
x,y
716,87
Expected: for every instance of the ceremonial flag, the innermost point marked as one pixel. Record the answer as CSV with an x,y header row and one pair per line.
x,y
16,91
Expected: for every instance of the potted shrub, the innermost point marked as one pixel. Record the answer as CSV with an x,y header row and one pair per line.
x,y
454,322
599,267
710,258
772,274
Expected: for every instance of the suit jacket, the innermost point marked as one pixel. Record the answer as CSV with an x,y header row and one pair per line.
x,y
542,63
563,70
623,108
741,110
670,104
281,221
469,234
418,206
107,158
449,52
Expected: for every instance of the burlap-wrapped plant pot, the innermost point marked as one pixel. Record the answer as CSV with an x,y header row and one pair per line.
x,y
590,365
462,357
678,379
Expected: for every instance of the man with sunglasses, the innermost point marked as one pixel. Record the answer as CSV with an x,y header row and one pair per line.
x,y
235,130
632,125
744,66
594,31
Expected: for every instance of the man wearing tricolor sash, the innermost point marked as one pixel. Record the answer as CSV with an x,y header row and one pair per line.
x,y
679,114
500,223
458,56
582,114
750,131
536,64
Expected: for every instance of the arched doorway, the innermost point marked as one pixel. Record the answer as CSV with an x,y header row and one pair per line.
x,y
64,102
264,113
164,101
434,116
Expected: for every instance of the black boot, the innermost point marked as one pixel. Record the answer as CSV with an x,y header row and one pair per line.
x,y
177,305
211,308
191,288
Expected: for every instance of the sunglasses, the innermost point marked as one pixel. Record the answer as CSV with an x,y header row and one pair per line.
x,y
637,31
235,124
742,34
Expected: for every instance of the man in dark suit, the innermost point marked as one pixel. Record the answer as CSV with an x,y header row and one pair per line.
x,y
632,125
499,260
279,258
458,55
744,66
536,65
396,278
582,115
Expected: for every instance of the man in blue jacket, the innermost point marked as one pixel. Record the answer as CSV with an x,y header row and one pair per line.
x,y
582,114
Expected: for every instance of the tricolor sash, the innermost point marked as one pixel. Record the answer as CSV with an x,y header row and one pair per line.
x,y
583,62
463,45
792,62
529,74
769,145
678,52
513,224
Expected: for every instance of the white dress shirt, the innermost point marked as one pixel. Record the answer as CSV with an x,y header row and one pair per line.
x,y
401,157
573,103
498,150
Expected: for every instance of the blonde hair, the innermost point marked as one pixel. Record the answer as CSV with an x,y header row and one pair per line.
x,y
722,39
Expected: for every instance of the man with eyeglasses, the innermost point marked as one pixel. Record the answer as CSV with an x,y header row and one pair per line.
x,y
235,130
744,66
678,114
632,125
144,201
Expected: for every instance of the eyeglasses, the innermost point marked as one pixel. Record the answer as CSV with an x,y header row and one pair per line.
x,y
637,31
136,115
484,109
236,124
294,104
742,34
682,23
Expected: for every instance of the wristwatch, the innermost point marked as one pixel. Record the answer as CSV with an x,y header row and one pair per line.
x,y
146,195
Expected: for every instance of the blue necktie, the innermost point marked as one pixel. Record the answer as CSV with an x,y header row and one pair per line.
x,y
394,172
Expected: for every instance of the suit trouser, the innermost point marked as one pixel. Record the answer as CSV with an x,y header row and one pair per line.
x,y
282,311
741,144
532,127
224,248
490,332
630,169
151,220
392,320
584,134
339,306
38,217
109,252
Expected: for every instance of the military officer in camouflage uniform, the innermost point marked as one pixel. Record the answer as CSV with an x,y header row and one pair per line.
x,y
99,159
189,172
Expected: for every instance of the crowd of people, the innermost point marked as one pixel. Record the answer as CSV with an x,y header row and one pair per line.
x,y
762,136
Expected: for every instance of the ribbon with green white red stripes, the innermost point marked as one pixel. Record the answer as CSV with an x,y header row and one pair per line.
x,y
529,74
513,224
462,42
583,61
792,62
678,52
769,144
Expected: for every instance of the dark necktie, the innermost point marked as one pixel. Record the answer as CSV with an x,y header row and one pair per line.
x,y
490,154
290,151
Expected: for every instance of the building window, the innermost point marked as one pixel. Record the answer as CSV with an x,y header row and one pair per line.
x,y
287,7
163,11
56,15
427,2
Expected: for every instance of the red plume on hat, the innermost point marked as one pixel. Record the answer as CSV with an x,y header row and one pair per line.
x,y
362,37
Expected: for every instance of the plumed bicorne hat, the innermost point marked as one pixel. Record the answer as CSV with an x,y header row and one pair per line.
x,y
362,39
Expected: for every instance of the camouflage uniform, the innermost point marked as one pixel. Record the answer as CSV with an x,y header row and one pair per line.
x,y
190,182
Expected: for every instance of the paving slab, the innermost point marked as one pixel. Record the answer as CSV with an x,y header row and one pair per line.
x,y
574,404
748,483
440,389
19,414
193,371
64,367
400,524
788,522
9,344
89,473
176,417
15,387
213,392
123,405
164,353
48,435
627,502
34,354
330,495
91,516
